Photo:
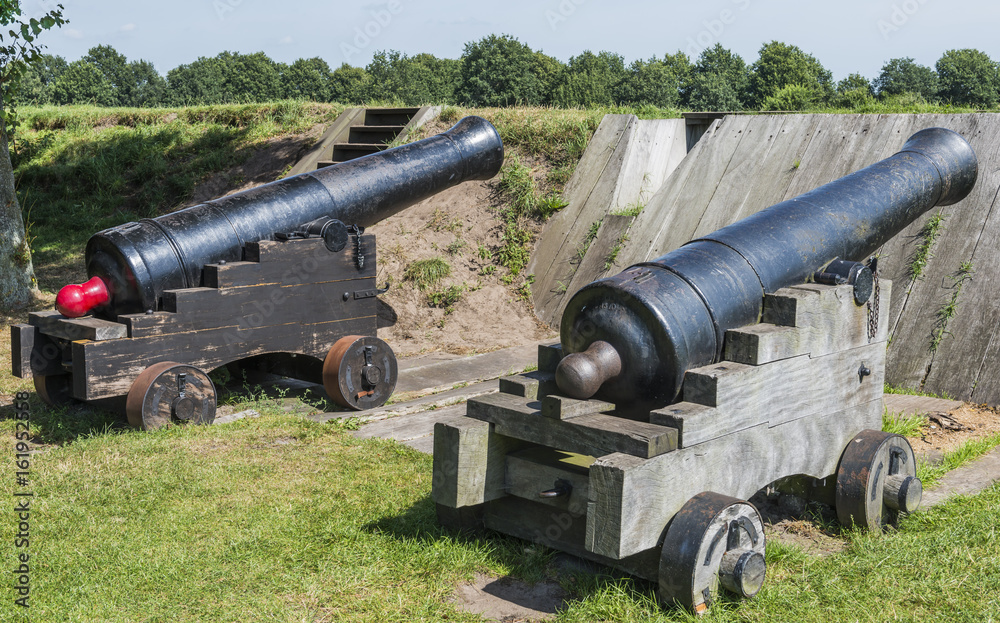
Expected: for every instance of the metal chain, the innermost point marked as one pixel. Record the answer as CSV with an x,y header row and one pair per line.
x,y
873,310
359,256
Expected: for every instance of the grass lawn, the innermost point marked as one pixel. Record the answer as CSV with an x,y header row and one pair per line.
x,y
277,518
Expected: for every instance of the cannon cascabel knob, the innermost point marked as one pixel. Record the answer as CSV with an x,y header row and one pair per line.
x,y
77,299
580,375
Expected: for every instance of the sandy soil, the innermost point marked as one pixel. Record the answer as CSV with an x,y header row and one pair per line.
x,y
947,431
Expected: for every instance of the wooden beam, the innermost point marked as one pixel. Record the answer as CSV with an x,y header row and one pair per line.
x,y
593,435
469,463
631,500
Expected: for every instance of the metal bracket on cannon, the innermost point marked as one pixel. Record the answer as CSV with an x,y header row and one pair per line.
x,y
298,307
662,494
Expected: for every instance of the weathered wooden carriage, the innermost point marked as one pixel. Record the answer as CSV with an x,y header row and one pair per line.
x,y
751,357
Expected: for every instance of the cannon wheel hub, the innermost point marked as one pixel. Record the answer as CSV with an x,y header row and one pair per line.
x,y
169,392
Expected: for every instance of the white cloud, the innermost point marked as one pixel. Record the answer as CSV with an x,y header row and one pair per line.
x,y
286,40
72,33
128,28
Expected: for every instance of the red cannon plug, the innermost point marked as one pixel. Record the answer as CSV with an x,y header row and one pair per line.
x,y
75,300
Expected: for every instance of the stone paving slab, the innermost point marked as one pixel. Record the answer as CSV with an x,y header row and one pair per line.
x,y
969,479
909,405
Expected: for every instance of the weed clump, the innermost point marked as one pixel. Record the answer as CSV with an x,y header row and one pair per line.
x,y
427,273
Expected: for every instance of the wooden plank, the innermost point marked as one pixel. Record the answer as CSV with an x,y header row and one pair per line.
x,y
562,531
655,149
557,243
54,324
333,134
741,173
244,309
292,262
533,470
530,385
911,358
744,397
810,319
593,435
469,463
967,359
777,171
32,353
896,255
107,369
549,356
632,500
673,214
563,408
611,238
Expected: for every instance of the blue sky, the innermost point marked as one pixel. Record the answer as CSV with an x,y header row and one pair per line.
x,y
846,36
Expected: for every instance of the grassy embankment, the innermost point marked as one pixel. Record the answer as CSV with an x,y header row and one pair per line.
x,y
278,518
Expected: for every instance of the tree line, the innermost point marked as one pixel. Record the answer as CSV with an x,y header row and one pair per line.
x,y
499,70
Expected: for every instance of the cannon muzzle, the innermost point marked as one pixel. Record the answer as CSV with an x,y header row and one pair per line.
x,y
136,262
658,319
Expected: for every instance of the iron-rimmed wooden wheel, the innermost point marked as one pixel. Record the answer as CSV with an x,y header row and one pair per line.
x,y
169,392
876,480
360,372
55,390
714,539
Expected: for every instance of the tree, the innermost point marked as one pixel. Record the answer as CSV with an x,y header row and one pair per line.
x,y
201,82
412,80
780,65
499,71
148,86
548,70
37,82
903,75
17,275
855,82
113,66
656,82
83,83
349,84
719,81
307,79
590,80
251,77
968,77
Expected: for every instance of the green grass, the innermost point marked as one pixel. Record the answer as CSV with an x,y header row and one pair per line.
x,y
906,425
427,273
950,307
278,518
929,234
446,298
906,391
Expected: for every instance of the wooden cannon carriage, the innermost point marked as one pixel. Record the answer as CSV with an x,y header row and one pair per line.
x,y
292,306
796,402
752,356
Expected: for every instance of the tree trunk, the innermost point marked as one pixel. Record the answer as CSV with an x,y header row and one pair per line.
x,y
17,276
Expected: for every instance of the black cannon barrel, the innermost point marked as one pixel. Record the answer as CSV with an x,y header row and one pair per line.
x,y
139,261
634,335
